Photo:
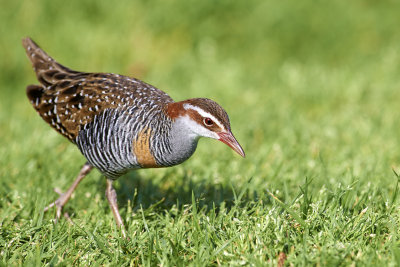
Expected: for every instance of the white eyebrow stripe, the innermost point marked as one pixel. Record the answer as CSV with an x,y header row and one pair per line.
x,y
204,114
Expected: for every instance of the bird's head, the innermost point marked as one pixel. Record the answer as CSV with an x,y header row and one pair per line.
x,y
205,118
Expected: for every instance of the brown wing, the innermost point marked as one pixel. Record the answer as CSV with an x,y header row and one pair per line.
x,y
68,99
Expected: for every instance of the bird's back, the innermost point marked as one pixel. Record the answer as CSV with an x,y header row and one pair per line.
x,y
110,117
68,100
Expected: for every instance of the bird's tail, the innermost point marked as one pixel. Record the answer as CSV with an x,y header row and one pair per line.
x,y
48,71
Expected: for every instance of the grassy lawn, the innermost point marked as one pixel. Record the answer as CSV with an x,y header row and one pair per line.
x,y
313,94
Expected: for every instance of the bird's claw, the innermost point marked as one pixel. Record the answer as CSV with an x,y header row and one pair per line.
x,y
59,204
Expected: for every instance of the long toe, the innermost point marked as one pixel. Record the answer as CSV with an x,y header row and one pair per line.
x,y
59,204
64,197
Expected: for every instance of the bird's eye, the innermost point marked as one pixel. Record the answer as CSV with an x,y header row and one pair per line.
x,y
208,122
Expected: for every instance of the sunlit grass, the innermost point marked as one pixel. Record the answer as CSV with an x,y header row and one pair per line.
x,y
312,92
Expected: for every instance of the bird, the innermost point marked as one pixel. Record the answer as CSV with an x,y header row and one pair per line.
x,y
120,123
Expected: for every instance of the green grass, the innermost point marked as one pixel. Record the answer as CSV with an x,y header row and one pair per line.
x,y
313,93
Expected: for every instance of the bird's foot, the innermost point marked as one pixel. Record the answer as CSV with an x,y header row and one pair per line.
x,y
64,197
59,204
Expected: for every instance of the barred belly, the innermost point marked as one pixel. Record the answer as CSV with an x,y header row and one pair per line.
x,y
106,142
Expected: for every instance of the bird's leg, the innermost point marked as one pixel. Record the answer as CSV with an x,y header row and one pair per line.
x,y
112,201
64,197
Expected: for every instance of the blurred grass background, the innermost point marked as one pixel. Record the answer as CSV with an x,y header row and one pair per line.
x,y
312,89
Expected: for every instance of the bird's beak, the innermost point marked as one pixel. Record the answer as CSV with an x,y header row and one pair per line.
x,y
230,140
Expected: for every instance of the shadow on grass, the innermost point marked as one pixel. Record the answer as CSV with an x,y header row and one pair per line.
x,y
144,192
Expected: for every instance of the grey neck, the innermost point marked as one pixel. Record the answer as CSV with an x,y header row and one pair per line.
x,y
182,144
